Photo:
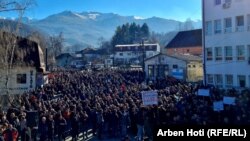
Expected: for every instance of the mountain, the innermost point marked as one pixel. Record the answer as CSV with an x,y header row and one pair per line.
x,y
86,28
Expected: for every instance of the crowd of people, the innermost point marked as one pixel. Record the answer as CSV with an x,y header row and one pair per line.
x,y
108,104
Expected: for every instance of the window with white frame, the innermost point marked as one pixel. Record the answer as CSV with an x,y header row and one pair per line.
x,y
248,22
218,53
240,23
208,28
228,53
228,25
217,2
217,26
218,80
210,79
209,54
240,52
229,80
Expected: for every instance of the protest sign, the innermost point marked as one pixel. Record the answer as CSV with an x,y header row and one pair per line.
x,y
203,92
218,106
229,100
149,98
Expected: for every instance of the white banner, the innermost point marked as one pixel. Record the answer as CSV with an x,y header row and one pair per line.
x,y
229,100
149,98
218,106
203,92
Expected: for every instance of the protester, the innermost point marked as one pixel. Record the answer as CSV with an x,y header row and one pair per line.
x,y
109,102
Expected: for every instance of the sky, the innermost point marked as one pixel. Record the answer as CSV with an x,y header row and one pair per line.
x,y
169,9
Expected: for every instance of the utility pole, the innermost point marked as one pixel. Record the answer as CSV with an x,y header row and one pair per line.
x,y
204,43
143,59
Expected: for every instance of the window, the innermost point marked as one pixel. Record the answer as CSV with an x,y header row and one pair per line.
x,y
175,66
217,2
229,80
228,53
240,52
208,28
218,53
189,66
129,54
209,54
242,81
249,81
210,79
218,80
121,54
151,70
194,66
228,25
239,23
248,50
248,22
21,79
217,26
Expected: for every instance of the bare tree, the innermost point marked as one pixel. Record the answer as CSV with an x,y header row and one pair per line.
x,y
9,43
55,48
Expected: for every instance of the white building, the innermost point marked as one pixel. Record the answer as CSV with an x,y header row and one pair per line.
x,y
28,67
227,42
180,66
133,53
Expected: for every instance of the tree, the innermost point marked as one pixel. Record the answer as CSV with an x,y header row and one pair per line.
x,y
55,47
130,33
145,31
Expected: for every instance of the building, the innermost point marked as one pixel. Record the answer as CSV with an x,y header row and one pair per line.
x,y
64,60
184,67
186,42
134,53
90,54
28,67
227,43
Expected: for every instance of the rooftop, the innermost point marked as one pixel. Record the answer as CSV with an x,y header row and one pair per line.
x,y
189,38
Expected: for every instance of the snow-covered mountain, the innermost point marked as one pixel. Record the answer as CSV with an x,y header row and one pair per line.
x,y
87,27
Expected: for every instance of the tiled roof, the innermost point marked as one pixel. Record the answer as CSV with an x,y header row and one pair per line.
x,y
189,38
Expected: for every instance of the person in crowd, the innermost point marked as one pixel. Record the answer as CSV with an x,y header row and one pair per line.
x,y
109,101
51,128
43,129
10,134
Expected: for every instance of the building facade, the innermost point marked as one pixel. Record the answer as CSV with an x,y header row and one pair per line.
x,y
134,53
28,67
186,42
184,67
227,42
